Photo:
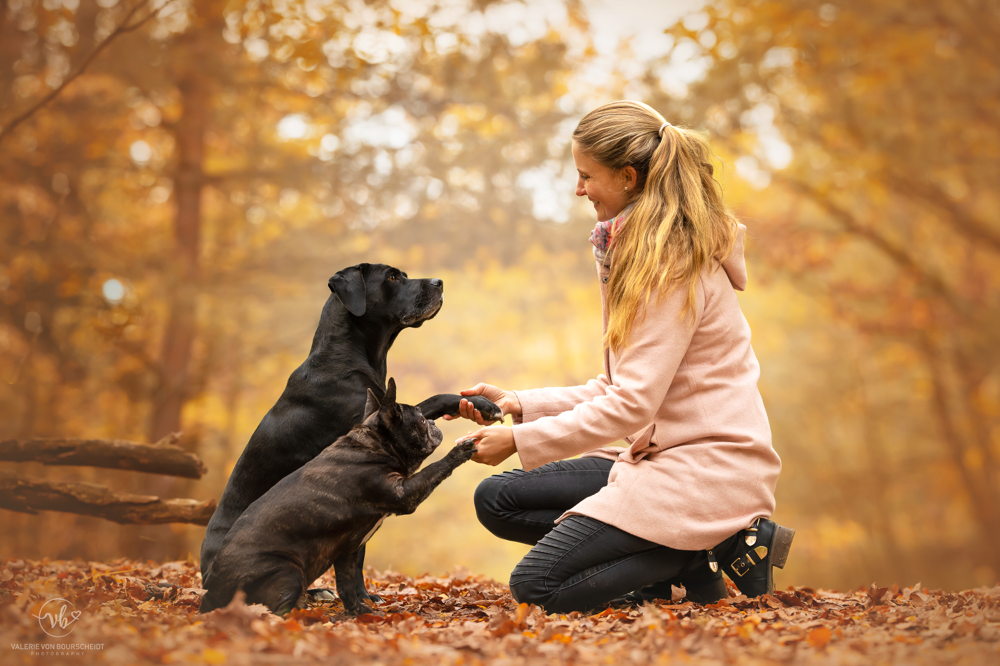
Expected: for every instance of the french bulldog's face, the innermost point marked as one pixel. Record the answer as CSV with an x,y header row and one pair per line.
x,y
402,429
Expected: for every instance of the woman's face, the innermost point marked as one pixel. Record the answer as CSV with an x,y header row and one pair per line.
x,y
603,186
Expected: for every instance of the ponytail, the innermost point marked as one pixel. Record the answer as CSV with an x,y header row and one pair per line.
x,y
678,223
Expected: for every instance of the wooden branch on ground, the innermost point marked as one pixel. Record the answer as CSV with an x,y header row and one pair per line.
x,y
160,458
31,495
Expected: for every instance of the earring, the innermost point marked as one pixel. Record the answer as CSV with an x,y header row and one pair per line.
x,y
626,188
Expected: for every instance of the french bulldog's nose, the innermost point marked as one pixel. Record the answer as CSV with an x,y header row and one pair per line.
x,y
435,282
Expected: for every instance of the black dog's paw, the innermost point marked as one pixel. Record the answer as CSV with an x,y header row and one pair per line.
x,y
320,595
487,408
374,598
465,449
356,608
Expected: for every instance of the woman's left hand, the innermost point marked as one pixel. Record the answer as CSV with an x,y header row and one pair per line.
x,y
494,444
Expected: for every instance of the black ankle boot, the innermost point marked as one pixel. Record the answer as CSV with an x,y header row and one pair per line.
x,y
748,555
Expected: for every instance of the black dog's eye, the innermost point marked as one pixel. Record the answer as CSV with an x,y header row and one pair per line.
x,y
392,278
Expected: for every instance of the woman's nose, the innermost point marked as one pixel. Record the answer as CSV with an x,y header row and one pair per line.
x,y
581,191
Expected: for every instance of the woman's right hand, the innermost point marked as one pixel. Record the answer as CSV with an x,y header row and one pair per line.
x,y
505,400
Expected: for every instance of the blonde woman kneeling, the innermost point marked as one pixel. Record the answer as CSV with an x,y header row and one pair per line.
x,y
692,494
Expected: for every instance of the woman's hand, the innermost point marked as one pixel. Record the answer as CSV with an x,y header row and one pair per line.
x,y
494,444
506,400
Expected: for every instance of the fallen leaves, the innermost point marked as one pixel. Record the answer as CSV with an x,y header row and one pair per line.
x,y
819,637
148,613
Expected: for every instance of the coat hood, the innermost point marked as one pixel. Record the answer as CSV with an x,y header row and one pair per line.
x,y
735,264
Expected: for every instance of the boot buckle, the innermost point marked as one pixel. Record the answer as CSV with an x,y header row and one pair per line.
x,y
713,564
741,565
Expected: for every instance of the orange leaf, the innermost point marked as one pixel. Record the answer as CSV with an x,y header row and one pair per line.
x,y
213,656
819,637
522,613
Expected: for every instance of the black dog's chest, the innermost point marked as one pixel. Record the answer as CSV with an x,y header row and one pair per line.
x,y
373,530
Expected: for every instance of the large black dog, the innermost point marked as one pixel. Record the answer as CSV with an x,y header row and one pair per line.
x,y
323,513
369,306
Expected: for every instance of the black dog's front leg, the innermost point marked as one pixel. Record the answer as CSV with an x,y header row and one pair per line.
x,y
447,404
345,571
360,586
410,492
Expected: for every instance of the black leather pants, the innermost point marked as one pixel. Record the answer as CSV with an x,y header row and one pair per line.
x,y
581,563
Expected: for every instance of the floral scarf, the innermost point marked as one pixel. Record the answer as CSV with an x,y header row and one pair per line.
x,y
603,234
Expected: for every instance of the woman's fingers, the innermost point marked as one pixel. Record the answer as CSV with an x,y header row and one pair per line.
x,y
494,444
476,390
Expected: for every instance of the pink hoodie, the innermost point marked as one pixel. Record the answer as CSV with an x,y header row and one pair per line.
x,y
699,466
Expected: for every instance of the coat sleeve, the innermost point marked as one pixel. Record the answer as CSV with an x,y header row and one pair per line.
x,y
537,403
642,376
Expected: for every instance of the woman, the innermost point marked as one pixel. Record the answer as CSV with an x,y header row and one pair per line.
x,y
695,487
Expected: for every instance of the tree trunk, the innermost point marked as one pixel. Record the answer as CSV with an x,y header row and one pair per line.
x,y
178,337
984,500
177,347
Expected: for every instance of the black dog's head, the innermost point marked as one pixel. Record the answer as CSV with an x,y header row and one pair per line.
x,y
385,294
402,430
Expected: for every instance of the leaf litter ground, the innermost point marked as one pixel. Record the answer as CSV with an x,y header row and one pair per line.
x,y
143,612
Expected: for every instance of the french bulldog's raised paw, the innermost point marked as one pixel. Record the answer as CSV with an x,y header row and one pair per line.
x,y
466,448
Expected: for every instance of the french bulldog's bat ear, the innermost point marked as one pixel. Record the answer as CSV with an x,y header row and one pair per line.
x,y
371,405
390,393
349,285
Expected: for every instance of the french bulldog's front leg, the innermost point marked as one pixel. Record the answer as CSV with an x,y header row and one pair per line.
x,y
447,404
345,571
360,586
410,492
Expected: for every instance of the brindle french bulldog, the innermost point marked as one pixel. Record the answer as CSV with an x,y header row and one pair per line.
x,y
324,512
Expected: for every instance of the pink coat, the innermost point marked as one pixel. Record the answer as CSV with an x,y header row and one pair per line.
x,y
699,466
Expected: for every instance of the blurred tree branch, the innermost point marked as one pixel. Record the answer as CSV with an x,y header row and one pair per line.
x,y
163,457
887,247
123,27
932,194
31,495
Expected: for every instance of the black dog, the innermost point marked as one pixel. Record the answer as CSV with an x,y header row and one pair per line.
x,y
323,513
325,396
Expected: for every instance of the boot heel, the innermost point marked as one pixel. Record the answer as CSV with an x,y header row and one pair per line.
x,y
781,545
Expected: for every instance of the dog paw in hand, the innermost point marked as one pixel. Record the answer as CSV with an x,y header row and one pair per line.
x,y
489,409
466,448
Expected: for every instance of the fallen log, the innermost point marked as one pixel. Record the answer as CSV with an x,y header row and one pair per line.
x,y
30,495
160,458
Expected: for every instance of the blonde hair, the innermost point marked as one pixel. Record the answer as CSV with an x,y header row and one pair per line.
x,y
678,223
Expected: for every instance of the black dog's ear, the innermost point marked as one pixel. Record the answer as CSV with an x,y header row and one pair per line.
x,y
371,405
390,394
349,285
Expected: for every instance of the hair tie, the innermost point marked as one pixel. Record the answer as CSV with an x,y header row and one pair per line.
x,y
660,131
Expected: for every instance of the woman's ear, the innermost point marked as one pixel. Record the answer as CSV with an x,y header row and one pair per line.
x,y
631,177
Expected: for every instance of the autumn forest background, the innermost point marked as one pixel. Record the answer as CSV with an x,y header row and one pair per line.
x,y
169,220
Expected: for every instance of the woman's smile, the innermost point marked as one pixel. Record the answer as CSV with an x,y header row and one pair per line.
x,y
601,185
